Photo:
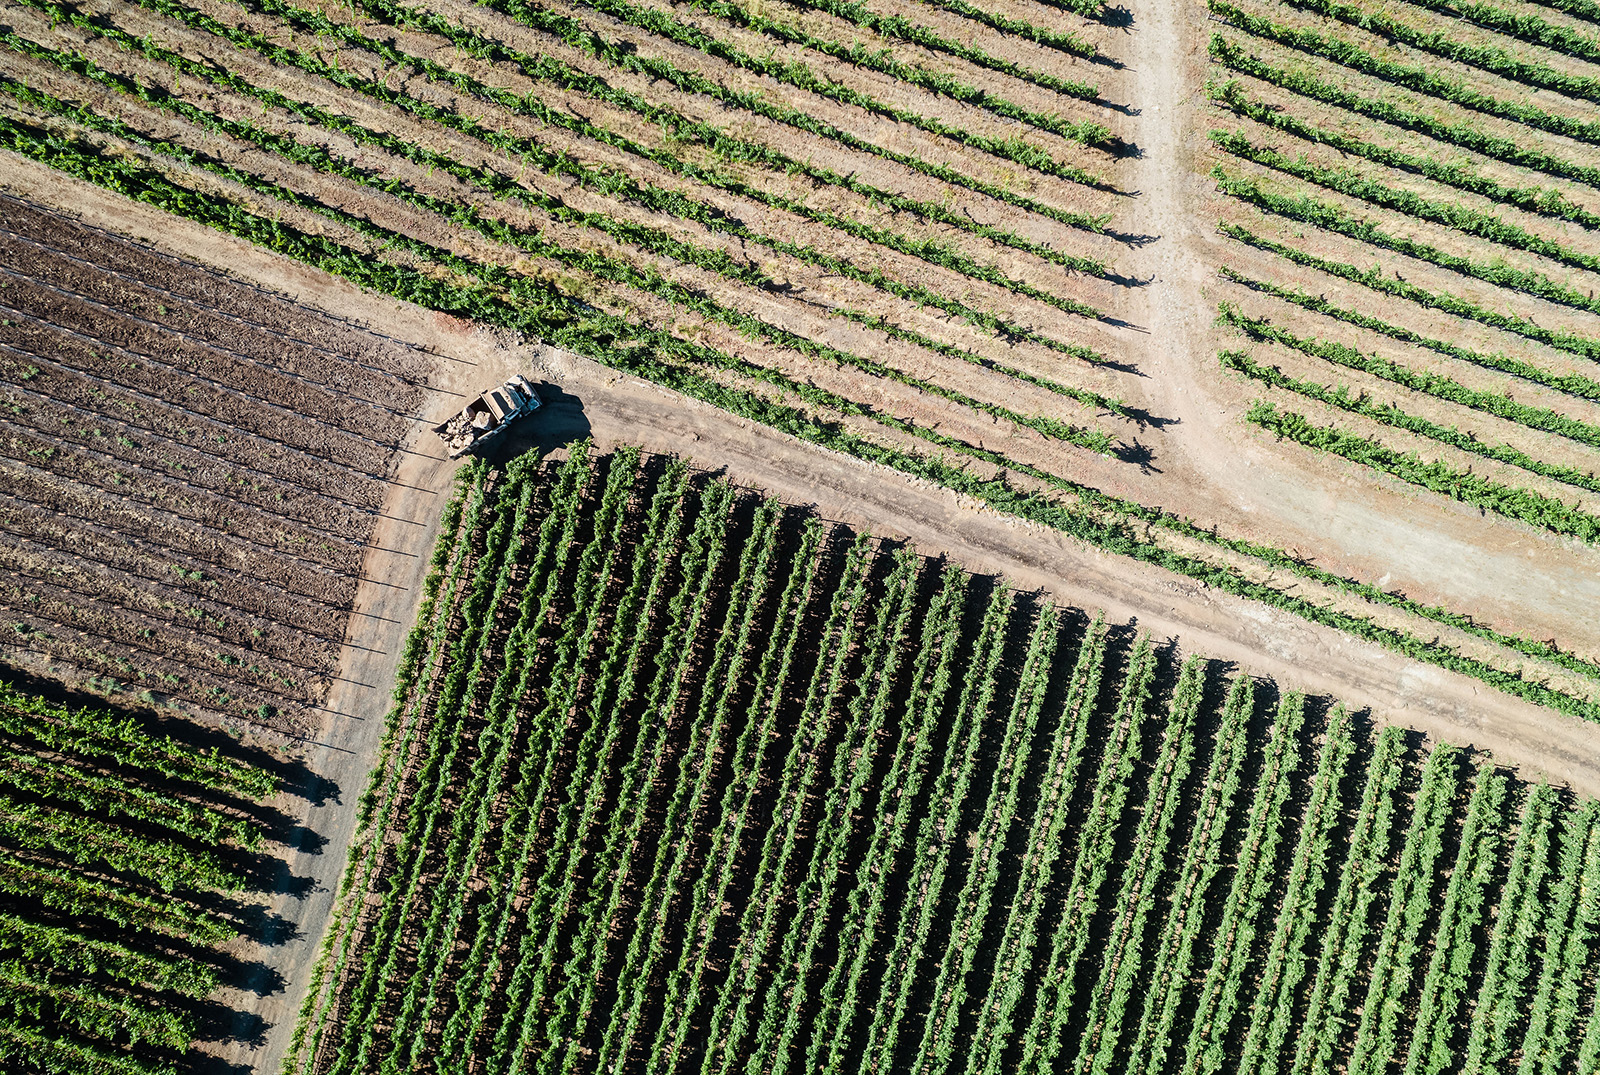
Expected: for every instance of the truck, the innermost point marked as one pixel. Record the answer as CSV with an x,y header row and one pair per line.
x,y
484,420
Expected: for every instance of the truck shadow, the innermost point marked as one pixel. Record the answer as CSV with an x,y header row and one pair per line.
x,y
559,421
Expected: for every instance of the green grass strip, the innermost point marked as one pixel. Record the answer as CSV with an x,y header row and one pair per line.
x,y
1509,501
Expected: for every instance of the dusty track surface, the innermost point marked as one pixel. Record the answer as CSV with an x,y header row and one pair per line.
x,y
1211,465
1257,640
311,612
344,752
1215,466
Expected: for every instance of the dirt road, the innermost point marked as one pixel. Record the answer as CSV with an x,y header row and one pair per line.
x,y
1256,639
345,752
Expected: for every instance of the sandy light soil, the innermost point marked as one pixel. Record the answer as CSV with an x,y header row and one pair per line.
x,y
345,751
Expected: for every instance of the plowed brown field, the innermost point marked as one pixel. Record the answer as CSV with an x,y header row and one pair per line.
x,y
192,471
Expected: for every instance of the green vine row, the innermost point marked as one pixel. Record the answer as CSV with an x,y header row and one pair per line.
x,y
1346,181
1431,384
680,127
1389,414
800,75
1523,27
1465,135
1545,202
900,28
1420,79
1377,280
1575,384
611,182
1522,505
1449,46
1308,210
1071,44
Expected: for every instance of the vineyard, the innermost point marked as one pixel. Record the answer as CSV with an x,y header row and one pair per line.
x,y
125,862
188,475
719,739
1410,252
680,778
898,236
